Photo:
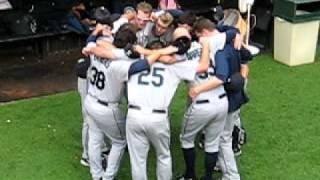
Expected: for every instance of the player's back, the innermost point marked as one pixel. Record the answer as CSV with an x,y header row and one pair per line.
x,y
155,88
194,54
107,78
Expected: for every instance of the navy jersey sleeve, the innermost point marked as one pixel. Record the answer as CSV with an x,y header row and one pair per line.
x,y
221,66
138,66
92,38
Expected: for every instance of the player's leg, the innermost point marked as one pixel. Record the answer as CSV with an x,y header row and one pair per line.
x,y
82,90
159,135
138,145
115,130
95,145
85,136
194,121
214,129
226,155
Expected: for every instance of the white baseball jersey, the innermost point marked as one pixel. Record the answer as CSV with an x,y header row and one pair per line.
x,y
216,43
106,78
118,23
194,54
155,88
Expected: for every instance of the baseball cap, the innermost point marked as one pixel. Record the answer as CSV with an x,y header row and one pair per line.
x,y
102,15
217,13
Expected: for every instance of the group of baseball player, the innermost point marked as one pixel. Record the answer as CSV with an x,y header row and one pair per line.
x,y
143,61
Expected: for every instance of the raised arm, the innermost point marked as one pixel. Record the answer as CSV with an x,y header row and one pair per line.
x,y
99,51
144,64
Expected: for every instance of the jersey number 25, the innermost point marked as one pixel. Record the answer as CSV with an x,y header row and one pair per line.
x,y
157,77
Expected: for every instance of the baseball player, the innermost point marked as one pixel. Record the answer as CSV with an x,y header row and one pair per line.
x,y
209,109
82,67
105,90
149,95
236,98
104,117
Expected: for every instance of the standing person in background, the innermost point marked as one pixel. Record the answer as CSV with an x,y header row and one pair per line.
x,y
5,4
172,6
168,4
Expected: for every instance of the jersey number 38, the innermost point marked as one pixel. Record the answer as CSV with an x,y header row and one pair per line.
x,y
97,78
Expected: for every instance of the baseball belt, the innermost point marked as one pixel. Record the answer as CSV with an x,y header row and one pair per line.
x,y
207,101
160,111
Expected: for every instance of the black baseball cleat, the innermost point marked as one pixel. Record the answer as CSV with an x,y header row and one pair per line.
x,y
105,153
236,151
204,178
217,169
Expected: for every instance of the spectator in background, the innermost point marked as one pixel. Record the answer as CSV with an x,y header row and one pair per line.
x,y
5,5
79,19
4,23
129,14
171,6
168,4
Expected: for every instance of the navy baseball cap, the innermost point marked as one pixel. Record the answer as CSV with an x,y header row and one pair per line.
x,y
102,15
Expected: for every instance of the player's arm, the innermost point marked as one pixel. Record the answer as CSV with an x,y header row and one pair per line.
x,y
244,70
99,52
143,51
222,72
245,56
166,59
105,44
205,56
144,64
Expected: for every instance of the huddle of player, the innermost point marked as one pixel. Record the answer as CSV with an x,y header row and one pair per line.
x,y
144,59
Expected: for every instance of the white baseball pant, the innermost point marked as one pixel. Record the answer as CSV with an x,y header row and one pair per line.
x,y
106,121
226,156
82,90
145,127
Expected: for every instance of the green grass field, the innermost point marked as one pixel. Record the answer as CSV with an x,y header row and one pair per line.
x,y
40,138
